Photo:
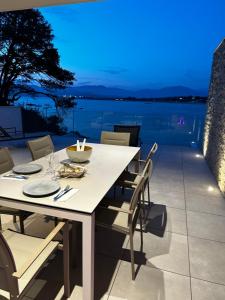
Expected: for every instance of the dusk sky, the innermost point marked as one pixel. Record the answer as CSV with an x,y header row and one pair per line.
x,y
139,44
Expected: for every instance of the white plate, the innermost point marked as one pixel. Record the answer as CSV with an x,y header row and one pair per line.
x,y
41,188
27,169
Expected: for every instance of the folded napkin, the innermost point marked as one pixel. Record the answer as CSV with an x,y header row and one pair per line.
x,y
66,196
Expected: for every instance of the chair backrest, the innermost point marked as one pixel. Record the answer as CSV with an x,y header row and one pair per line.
x,y
115,138
136,194
152,151
6,162
40,147
7,268
134,131
147,171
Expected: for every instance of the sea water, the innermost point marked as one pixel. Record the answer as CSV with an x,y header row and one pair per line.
x,y
164,122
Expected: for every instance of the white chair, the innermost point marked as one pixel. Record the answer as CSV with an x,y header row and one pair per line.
x,y
115,138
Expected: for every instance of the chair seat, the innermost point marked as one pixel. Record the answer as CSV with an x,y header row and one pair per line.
x,y
22,247
127,177
113,219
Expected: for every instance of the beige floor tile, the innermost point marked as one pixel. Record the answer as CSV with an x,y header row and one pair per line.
x,y
165,218
206,226
205,203
207,260
167,252
151,284
203,290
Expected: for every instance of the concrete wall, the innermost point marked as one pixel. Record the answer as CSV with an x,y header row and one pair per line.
x,y
10,116
214,135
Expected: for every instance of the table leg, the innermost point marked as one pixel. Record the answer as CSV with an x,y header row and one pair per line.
x,y
66,260
88,251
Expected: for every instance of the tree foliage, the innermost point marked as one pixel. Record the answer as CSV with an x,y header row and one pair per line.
x,y
29,59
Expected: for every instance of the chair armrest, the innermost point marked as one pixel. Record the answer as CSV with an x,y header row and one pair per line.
x,y
142,161
110,207
131,183
19,273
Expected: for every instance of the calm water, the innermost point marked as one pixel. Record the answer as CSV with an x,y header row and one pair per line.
x,y
166,123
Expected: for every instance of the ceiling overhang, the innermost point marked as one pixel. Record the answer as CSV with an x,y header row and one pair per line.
x,y
9,5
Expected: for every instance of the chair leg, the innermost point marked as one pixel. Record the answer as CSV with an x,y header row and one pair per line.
x,y
143,204
141,231
123,190
14,219
149,200
21,224
132,254
56,221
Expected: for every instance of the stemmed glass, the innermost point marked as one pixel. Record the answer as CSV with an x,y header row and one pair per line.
x,y
52,165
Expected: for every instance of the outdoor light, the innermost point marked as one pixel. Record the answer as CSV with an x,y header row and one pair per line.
x,y
198,155
210,189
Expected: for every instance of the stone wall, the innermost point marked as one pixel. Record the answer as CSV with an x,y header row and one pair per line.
x,y
214,135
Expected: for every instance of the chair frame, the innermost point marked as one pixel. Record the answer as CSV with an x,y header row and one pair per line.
x,y
7,211
134,212
12,274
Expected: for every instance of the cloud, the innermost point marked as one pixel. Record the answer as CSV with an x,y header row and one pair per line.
x,y
114,71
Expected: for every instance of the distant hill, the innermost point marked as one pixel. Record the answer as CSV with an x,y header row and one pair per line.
x,y
111,92
102,91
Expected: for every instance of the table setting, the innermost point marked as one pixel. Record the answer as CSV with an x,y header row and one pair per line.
x,y
47,183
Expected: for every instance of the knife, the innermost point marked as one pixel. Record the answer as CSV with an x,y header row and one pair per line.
x,y
16,176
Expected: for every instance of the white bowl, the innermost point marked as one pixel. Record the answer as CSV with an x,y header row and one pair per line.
x,y
79,156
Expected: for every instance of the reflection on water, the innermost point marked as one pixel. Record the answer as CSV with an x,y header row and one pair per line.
x,y
166,123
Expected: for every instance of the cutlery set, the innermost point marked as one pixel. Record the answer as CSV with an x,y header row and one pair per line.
x,y
63,192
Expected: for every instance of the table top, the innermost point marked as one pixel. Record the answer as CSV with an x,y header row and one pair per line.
x,y
106,164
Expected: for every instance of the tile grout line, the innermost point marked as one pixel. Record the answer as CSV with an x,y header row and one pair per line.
x,y
182,166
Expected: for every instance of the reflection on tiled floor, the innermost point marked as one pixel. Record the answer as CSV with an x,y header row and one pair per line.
x,y
184,243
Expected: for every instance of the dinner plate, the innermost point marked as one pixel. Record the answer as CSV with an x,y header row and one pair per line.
x,y
27,169
41,188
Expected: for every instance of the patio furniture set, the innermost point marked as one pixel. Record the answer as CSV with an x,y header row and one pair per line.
x,y
22,256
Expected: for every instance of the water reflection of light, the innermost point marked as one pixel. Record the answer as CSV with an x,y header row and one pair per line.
x,y
189,132
181,121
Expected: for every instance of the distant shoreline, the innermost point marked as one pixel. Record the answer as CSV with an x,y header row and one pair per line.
x,y
180,99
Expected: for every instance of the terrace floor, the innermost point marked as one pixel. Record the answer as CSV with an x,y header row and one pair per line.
x,y
184,242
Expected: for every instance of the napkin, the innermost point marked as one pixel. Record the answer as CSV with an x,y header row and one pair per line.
x,y
67,196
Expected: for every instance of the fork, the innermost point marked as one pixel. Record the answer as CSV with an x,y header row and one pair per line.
x,y
61,193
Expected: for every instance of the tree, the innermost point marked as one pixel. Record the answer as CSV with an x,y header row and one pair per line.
x,y
28,58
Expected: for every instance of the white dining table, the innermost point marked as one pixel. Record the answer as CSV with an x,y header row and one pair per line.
x,y
106,164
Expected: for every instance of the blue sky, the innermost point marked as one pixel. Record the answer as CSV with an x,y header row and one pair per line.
x,y
139,43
